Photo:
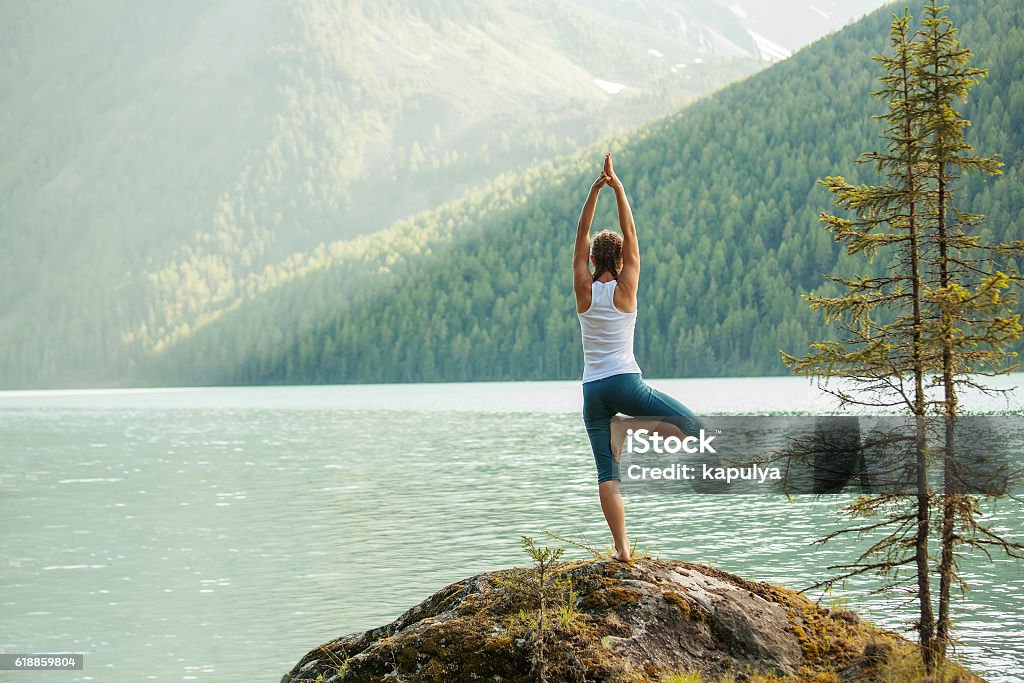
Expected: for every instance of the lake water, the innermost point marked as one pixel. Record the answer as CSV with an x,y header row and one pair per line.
x,y
219,534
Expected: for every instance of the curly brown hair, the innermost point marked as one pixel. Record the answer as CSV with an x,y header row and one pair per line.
x,y
606,250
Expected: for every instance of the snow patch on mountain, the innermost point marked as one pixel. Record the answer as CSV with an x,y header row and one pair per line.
x,y
770,51
609,87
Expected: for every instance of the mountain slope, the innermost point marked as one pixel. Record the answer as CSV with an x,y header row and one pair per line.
x,y
726,204
160,164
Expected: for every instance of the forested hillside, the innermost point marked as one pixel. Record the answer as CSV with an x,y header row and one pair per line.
x,y
163,162
726,204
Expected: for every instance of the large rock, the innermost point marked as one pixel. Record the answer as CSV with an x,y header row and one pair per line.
x,y
634,622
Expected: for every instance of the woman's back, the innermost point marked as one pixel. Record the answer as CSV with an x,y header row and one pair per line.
x,y
607,335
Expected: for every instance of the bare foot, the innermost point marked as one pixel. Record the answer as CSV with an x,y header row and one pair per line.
x,y
618,436
622,557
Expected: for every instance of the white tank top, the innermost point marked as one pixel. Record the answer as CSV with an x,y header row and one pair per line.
x,y
607,335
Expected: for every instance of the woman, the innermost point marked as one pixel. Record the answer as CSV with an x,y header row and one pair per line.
x,y
606,302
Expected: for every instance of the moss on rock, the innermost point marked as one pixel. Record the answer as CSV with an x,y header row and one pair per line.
x,y
640,622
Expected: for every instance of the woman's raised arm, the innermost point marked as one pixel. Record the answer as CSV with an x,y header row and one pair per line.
x,y
581,277
629,276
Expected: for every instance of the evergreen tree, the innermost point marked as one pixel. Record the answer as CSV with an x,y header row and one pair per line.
x,y
878,356
953,322
970,292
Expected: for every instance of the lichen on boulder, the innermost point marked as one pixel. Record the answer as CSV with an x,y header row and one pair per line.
x,y
619,622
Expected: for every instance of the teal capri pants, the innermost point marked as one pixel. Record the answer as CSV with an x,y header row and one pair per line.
x,y
630,395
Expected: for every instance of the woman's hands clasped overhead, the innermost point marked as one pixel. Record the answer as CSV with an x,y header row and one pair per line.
x,y
607,176
608,173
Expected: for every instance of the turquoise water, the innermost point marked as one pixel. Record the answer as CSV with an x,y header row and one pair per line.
x,y
219,534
